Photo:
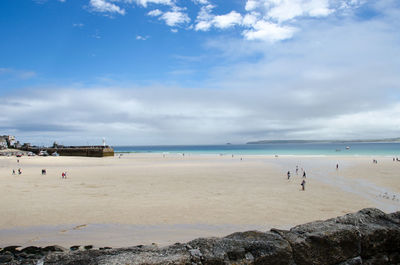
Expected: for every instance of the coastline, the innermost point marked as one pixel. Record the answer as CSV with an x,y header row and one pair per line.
x,y
178,198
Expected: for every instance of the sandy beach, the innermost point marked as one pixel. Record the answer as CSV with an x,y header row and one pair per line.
x,y
146,198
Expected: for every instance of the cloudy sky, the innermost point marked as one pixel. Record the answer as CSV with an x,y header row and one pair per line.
x,y
141,72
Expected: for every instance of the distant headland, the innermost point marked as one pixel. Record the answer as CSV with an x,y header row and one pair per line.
x,y
385,140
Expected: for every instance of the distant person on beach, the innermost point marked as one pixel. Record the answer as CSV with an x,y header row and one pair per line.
x,y
304,174
44,171
297,170
62,175
19,171
288,175
337,166
13,172
303,185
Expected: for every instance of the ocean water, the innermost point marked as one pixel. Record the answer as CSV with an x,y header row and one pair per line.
x,y
362,149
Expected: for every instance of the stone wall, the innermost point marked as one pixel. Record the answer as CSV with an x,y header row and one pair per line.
x,y
76,151
368,237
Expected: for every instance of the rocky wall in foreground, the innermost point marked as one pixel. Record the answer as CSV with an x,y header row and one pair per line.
x,y
367,237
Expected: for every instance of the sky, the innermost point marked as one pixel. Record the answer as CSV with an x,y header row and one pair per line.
x,y
168,72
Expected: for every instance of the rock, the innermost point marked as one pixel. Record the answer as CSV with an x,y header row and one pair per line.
x,y
6,256
323,242
32,250
378,231
88,247
354,261
54,248
73,248
244,248
12,249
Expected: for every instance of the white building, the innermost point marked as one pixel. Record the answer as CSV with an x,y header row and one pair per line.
x,y
3,142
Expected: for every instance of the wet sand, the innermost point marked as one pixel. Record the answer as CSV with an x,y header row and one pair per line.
x,y
146,198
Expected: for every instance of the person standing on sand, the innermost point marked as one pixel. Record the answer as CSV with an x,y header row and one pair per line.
x,y
297,170
304,174
337,166
13,172
288,175
303,185
62,175
19,171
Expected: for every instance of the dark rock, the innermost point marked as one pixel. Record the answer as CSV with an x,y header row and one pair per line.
x,y
73,248
323,242
379,231
32,250
54,248
5,257
354,261
104,248
88,247
377,260
12,249
243,248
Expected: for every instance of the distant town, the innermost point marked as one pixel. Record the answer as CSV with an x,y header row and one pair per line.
x,y
10,146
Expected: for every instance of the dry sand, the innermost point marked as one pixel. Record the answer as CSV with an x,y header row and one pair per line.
x,y
144,198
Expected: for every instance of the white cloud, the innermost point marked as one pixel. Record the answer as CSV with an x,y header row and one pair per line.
x,y
283,10
267,31
201,2
204,18
103,6
229,20
155,13
250,19
139,37
174,18
78,25
145,3
251,5
269,20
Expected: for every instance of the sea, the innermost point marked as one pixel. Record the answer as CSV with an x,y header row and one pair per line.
x,y
328,148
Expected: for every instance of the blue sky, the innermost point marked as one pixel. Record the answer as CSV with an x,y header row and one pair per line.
x,y
200,71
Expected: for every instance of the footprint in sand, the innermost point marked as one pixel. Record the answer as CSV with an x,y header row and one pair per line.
x,y
78,227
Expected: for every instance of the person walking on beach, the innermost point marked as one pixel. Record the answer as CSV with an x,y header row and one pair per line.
x,y
13,172
62,175
304,174
19,171
43,171
337,166
288,175
297,170
303,185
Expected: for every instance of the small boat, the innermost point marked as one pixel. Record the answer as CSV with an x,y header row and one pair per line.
x,y
43,153
347,147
